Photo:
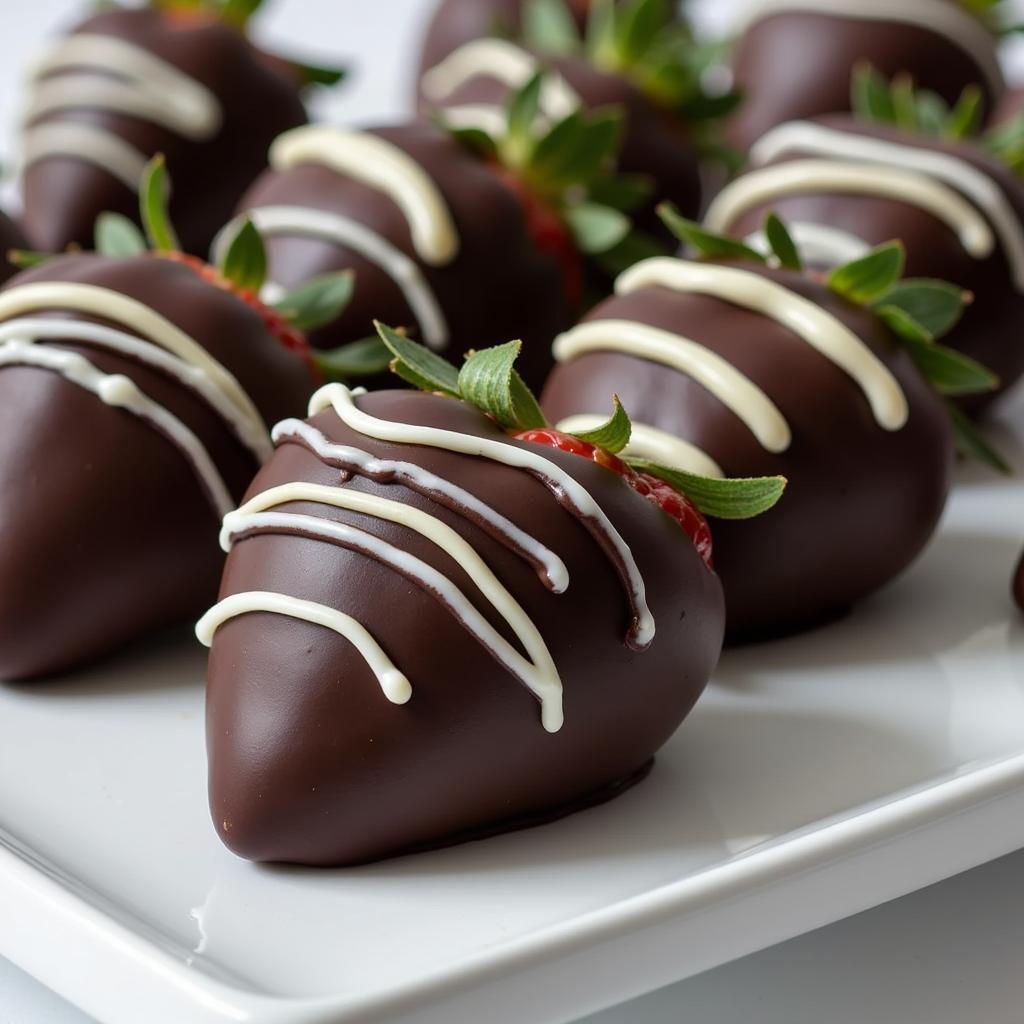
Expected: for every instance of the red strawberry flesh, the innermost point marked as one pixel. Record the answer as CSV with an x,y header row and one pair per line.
x,y
655,490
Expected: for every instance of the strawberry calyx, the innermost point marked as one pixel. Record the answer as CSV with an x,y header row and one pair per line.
x,y
275,322
657,492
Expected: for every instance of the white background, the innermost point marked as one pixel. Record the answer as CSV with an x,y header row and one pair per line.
x,y
950,955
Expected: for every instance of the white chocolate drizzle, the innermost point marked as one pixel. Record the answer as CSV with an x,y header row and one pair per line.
x,y
648,442
155,342
120,392
393,683
567,491
717,375
380,165
816,326
947,19
98,72
353,461
817,175
537,672
264,513
504,62
819,244
806,137
30,330
276,221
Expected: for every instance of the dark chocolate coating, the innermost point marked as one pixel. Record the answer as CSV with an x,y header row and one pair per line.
x,y
105,531
655,143
310,763
259,98
1010,107
456,22
798,64
989,330
499,286
10,238
861,502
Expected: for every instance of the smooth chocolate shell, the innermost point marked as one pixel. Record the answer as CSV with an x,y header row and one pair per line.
x,y
500,285
989,330
798,64
310,763
861,503
259,97
105,532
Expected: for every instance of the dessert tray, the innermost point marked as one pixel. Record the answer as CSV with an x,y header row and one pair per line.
x,y
818,777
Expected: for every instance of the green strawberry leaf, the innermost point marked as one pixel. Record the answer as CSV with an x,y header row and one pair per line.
x,y
524,109
26,259
118,236
934,305
965,118
417,365
245,259
367,357
319,302
782,243
707,244
317,74
239,12
548,27
595,228
950,372
489,380
720,499
872,276
612,436
972,444
154,195
870,98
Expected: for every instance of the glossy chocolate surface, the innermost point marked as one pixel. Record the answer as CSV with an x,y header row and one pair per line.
x,y
798,64
310,763
259,97
501,285
105,532
862,502
990,329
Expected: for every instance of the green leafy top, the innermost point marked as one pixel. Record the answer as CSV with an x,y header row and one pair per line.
x,y
897,102
489,381
644,41
243,265
238,14
918,311
568,166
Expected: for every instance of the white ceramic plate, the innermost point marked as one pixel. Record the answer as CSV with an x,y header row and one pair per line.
x,y
819,776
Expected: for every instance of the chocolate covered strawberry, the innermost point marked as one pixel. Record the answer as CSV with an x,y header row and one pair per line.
x,y
639,55
440,619
794,58
135,391
904,165
743,364
464,238
180,78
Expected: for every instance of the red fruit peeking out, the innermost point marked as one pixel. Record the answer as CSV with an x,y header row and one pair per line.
x,y
489,382
657,491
